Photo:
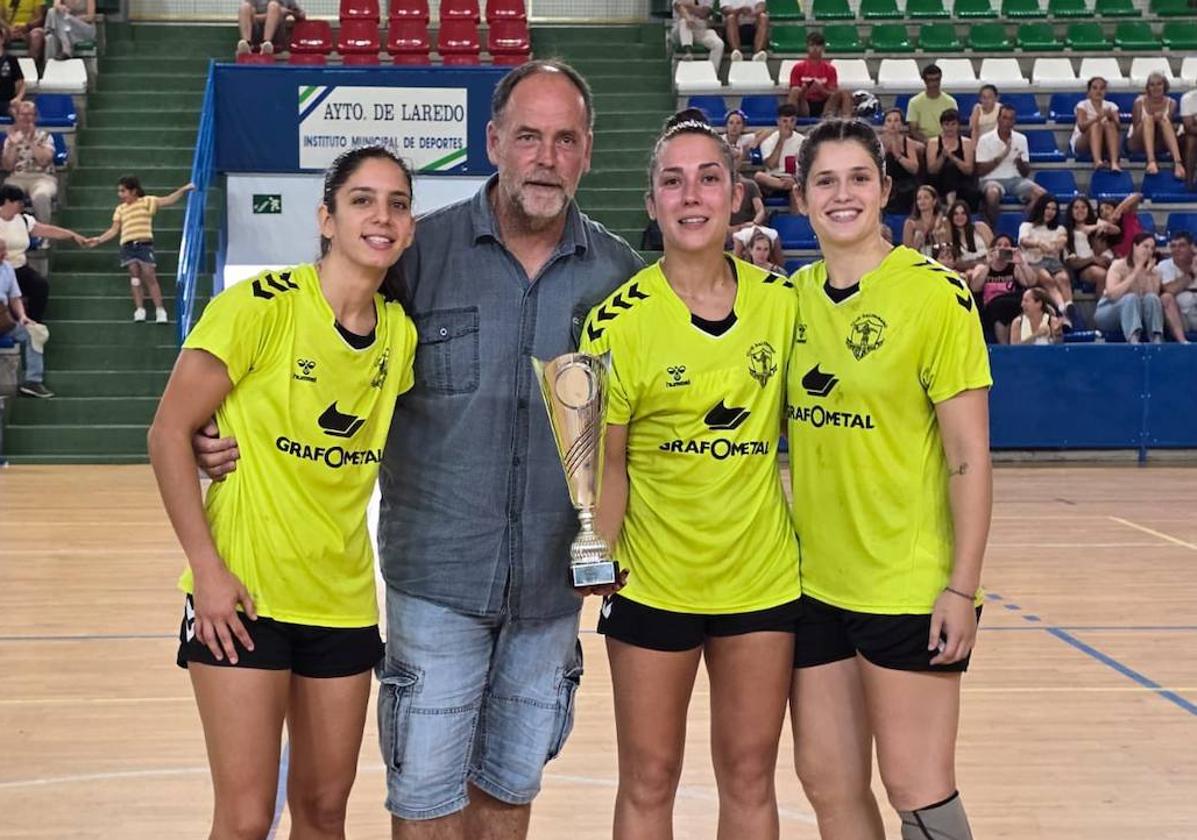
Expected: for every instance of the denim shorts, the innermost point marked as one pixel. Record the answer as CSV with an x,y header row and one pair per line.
x,y
142,252
471,700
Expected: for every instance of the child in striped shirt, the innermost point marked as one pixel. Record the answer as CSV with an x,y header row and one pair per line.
x,y
131,219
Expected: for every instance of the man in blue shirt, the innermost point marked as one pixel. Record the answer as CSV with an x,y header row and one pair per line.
x,y
17,327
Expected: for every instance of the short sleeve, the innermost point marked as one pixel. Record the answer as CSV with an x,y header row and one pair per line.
x,y
1023,229
955,358
117,214
912,110
596,342
768,144
1188,104
151,204
796,74
30,221
234,329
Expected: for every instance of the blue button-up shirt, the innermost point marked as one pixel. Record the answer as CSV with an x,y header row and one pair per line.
x,y
475,512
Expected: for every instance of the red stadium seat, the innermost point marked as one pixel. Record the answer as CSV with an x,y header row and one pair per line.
x,y
458,41
359,42
254,58
459,10
508,42
505,10
409,10
359,10
407,41
307,59
311,42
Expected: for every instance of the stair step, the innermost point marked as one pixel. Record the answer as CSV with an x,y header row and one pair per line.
x,y
116,307
133,156
111,64
656,101
71,411
103,383
61,357
124,333
637,218
116,116
135,83
99,261
75,439
167,138
153,178
104,197
147,101
619,158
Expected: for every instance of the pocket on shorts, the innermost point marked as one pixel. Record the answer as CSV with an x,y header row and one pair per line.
x,y
447,353
395,695
567,691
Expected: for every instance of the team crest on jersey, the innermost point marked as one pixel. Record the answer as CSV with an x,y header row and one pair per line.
x,y
868,334
677,376
800,334
761,364
303,370
381,369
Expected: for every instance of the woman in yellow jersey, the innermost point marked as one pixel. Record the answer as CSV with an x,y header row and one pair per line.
x,y
692,500
889,448
281,620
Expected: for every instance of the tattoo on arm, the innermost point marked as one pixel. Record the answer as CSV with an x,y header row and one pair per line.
x,y
960,470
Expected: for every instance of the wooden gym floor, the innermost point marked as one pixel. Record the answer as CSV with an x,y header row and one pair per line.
x,y
1079,721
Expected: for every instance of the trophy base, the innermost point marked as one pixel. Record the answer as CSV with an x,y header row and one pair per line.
x,y
594,574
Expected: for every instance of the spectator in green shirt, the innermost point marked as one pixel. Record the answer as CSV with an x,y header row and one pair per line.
x,y
924,109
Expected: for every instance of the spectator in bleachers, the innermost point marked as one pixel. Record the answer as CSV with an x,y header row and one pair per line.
x,y
1042,238
691,22
16,227
29,156
69,22
952,162
12,80
1003,166
814,84
780,153
927,226
985,113
1036,323
752,211
1178,276
16,324
1122,225
1131,301
1188,118
746,22
924,109
903,162
1086,264
26,21
1151,125
969,240
763,252
1000,282
262,21
742,142
1096,129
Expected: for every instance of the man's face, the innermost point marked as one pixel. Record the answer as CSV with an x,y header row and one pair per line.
x,y
24,117
786,124
1182,252
814,52
541,147
932,83
1005,121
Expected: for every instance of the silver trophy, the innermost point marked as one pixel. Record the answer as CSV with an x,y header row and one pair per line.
x,y
574,387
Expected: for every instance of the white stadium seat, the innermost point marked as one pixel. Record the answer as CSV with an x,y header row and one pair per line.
x,y
696,77
1005,73
852,73
1105,66
1188,71
1144,66
783,75
29,71
898,74
1054,73
68,76
958,74
749,76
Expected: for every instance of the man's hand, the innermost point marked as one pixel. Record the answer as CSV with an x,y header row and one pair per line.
x,y
216,456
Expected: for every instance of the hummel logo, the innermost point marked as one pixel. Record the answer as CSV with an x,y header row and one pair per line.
x,y
337,424
606,608
677,376
304,368
817,383
722,418
189,616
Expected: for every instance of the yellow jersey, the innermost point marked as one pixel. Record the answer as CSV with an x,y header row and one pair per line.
x,y
310,414
134,219
706,528
870,479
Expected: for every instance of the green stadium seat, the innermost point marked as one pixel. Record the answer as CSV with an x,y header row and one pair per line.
x,y
833,10
1172,8
939,38
890,38
1068,8
1135,35
787,39
1116,8
843,39
1022,9
780,10
1038,37
880,10
974,9
989,37
1087,37
1180,35
926,9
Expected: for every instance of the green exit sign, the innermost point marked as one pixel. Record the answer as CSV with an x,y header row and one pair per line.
x,y
268,203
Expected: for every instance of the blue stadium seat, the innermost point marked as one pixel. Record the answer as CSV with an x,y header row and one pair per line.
x,y
900,102
1058,182
778,200
1008,224
760,110
1182,221
1042,145
1162,186
1147,222
1125,102
56,110
965,103
713,106
795,263
1025,107
1107,184
896,222
61,153
1081,337
1062,107
795,231
6,342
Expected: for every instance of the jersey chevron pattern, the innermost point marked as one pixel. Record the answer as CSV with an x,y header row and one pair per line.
x,y
706,528
311,415
869,473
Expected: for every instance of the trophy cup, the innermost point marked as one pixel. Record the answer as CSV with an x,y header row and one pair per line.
x,y
574,387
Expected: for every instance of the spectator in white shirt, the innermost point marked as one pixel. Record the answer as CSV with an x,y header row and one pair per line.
x,y
29,155
1178,274
1096,129
1188,116
691,20
746,21
780,153
1003,165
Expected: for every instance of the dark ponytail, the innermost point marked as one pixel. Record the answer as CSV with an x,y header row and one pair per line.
x,y
343,168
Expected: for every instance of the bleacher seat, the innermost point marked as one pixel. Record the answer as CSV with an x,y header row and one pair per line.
x,y
843,39
1068,8
972,9
1088,36
714,107
1042,147
1182,221
1038,37
1144,66
358,41
1116,8
852,73
69,76
690,76
794,231
879,10
939,38
1125,100
57,110
1021,9
898,74
1147,222
1059,182
62,154
1135,35
795,263
1062,106
408,10
1113,185
251,58
1171,8
1105,66
1008,223
990,37
29,72
1054,72
509,43
760,110
958,73
1163,187
359,10
459,10
782,10
497,10
1188,67
933,9
1180,35
1003,72
748,75
832,10
407,41
1025,106
457,43
311,42
787,39
889,38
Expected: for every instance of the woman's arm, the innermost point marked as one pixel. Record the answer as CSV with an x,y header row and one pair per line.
x,y
758,204
55,232
1119,279
911,163
105,236
1016,330
613,503
934,158
968,160
964,430
910,234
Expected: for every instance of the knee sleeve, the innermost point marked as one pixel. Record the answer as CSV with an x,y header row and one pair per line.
x,y
943,821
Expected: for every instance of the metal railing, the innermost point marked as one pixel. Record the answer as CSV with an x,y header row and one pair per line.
x,y
192,249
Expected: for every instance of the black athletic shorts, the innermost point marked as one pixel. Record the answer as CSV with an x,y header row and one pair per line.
x,y
649,627
828,634
279,646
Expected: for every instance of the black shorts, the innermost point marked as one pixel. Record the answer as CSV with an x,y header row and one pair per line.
x,y
816,106
829,634
649,627
279,646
